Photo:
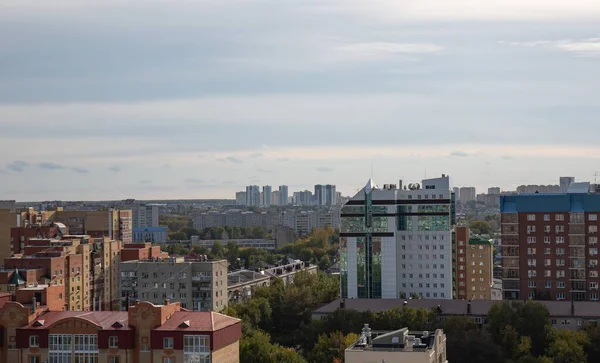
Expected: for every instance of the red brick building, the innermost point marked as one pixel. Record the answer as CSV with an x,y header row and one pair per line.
x,y
144,333
550,246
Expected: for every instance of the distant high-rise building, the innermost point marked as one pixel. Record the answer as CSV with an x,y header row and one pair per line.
x,y
275,197
456,191
494,191
283,195
330,195
252,196
565,182
240,198
267,195
303,198
467,194
319,194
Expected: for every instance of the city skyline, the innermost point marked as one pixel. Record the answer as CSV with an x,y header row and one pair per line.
x,y
97,106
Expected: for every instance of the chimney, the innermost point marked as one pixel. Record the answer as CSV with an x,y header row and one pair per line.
x,y
167,301
34,302
469,307
343,304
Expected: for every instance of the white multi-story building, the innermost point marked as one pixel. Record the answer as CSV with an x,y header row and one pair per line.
x,y
467,194
267,195
252,196
145,215
283,195
396,242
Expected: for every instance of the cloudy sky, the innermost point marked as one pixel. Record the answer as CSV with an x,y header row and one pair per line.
x,y
103,99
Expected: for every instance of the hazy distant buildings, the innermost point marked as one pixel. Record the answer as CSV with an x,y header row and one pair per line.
x,y
283,195
494,191
325,194
565,182
467,194
240,198
529,189
303,198
252,196
267,196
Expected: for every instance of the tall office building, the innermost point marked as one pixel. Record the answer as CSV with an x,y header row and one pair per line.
x,y
319,194
565,182
145,215
252,196
550,246
240,198
283,195
395,242
467,194
267,195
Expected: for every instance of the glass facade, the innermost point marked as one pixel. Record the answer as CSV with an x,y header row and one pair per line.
x,y
404,222
344,266
434,223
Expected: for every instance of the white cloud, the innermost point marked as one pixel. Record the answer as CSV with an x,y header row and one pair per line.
x,y
381,50
589,47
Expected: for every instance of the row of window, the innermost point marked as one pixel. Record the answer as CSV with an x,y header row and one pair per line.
x,y
559,285
427,247
559,240
560,229
423,257
421,266
559,273
410,276
426,285
561,217
422,237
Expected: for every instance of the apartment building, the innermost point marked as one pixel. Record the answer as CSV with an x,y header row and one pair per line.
x,y
8,220
19,236
283,195
474,266
145,215
113,223
398,346
252,196
395,242
240,198
144,333
84,269
550,246
467,194
198,284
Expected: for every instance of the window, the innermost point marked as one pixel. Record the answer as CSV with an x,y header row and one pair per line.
x,y
34,359
593,240
531,273
531,239
593,217
593,273
531,284
560,217
531,217
113,342
530,229
168,343
560,228
546,217
560,251
560,284
114,359
593,286
196,348
560,273
593,229
546,229
560,296
547,273
34,341
546,251
547,240
548,284
560,240
593,251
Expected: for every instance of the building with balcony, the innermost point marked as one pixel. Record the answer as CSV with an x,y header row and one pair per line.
x,y
199,285
145,333
550,246
398,346
113,223
396,242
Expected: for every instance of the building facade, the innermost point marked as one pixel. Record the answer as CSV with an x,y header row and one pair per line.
x,y
467,194
283,195
252,196
474,266
113,223
397,242
267,192
150,234
565,182
197,285
144,333
550,246
145,215
240,198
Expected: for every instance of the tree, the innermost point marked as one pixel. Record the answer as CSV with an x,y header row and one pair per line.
x,y
233,252
324,263
567,346
480,227
256,346
592,331
177,236
217,250
332,346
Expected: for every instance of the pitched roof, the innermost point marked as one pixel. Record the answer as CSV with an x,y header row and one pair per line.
x,y
102,319
198,321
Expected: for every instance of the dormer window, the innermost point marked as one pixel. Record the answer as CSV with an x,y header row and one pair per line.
x,y
185,324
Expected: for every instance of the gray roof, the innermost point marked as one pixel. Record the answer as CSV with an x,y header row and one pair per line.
x,y
458,307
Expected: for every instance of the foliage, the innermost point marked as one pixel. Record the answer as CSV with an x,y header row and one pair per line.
x,y
567,346
331,346
256,346
480,227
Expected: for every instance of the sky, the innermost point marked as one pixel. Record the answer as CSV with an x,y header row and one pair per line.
x,y
106,99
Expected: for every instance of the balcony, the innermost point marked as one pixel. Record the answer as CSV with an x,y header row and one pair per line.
x,y
202,278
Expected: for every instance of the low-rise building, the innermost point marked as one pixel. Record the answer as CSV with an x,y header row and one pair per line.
x,y
398,346
264,244
150,234
144,333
